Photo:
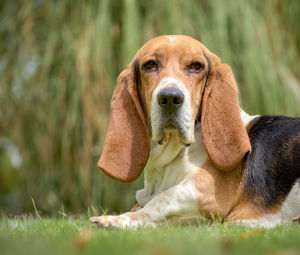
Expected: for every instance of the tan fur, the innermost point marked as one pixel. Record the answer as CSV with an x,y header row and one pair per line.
x,y
224,135
126,148
217,190
174,56
221,193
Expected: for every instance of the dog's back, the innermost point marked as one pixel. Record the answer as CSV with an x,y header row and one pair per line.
x,y
272,175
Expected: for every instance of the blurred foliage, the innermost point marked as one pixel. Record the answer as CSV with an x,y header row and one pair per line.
x,y
59,61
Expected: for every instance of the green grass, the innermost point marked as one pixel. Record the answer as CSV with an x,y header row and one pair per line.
x,y
78,236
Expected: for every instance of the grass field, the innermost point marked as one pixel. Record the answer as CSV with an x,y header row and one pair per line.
x,y
78,236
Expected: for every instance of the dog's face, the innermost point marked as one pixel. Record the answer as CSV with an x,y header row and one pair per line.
x,y
172,72
172,82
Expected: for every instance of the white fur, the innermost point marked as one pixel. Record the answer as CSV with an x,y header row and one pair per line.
x,y
184,113
246,118
172,39
170,164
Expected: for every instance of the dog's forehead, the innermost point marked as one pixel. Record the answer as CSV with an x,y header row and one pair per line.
x,y
181,43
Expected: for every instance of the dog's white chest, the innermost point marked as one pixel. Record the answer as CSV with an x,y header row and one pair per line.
x,y
171,164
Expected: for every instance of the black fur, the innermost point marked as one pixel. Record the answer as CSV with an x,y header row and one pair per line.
x,y
273,166
137,79
136,72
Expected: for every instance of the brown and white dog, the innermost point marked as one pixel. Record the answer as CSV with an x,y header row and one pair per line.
x,y
209,157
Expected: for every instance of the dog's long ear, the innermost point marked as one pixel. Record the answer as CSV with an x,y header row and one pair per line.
x,y
224,136
127,146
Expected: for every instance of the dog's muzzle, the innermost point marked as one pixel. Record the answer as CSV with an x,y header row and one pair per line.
x,y
171,112
170,100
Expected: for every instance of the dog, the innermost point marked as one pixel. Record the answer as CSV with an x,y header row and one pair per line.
x,y
208,157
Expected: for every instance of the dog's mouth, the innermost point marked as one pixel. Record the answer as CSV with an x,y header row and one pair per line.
x,y
175,126
170,126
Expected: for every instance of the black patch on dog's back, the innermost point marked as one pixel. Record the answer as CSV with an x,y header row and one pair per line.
x,y
273,166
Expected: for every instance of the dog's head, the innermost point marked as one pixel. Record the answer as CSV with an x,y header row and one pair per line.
x,y
173,82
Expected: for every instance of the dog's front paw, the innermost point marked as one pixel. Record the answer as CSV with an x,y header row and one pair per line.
x,y
111,221
132,220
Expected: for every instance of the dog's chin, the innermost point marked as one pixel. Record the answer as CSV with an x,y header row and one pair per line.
x,y
171,129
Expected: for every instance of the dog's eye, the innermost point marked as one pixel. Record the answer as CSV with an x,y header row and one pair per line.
x,y
195,67
150,66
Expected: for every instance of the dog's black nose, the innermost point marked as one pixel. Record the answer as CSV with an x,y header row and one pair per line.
x,y
170,99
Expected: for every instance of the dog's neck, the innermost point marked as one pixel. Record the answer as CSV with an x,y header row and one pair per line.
x,y
172,162
164,154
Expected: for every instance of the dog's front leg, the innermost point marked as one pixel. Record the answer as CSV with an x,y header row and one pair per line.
x,y
179,200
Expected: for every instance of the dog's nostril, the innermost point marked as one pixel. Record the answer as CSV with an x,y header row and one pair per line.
x,y
170,99
164,101
177,101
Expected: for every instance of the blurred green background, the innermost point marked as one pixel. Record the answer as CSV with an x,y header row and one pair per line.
x,y
59,61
